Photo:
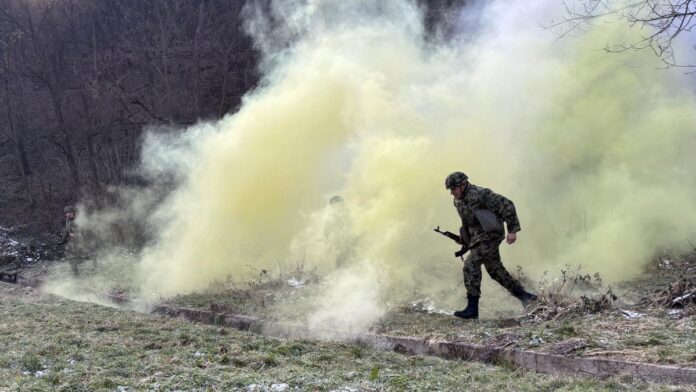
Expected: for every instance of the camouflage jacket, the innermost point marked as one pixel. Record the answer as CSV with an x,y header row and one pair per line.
x,y
69,232
476,205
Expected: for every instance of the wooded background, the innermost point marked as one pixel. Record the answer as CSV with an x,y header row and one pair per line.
x,y
81,79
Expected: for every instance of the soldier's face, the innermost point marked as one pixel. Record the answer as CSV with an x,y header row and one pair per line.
x,y
70,215
457,191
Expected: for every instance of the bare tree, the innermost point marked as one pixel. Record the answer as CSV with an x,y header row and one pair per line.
x,y
42,28
232,56
81,80
14,125
663,21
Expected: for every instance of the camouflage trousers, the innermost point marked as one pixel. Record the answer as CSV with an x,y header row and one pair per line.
x,y
76,257
488,255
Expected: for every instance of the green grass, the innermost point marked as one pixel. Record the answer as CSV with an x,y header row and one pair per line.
x,y
53,344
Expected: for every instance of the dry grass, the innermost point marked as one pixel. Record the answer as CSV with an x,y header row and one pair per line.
x,y
51,344
576,315
679,294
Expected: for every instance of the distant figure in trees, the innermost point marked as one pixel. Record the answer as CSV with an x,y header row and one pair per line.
x,y
74,245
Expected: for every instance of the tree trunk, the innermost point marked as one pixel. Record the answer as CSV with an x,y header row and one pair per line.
x,y
70,158
94,169
91,156
23,165
197,61
16,125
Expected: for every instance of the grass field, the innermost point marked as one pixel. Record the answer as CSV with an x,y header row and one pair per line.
x,y
51,344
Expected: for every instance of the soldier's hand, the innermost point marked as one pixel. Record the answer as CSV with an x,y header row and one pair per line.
x,y
511,238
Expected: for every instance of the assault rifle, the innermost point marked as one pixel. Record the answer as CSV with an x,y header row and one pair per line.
x,y
457,239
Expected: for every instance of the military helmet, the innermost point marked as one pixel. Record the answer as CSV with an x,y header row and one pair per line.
x,y
455,179
335,199
68,209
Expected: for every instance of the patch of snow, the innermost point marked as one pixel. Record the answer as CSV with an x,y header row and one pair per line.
x,y
279,387
198,354
296,283
121,388
631,315
350,375
255,388
427,306
536,341
40,373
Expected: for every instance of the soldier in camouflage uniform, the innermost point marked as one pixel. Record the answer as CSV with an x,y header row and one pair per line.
x,y
71,239
483,212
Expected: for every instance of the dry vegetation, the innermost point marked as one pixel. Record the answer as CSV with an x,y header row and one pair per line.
x,y
650,319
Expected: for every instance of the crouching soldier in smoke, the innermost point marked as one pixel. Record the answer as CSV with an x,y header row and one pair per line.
x,y
72,241
482,212
339,231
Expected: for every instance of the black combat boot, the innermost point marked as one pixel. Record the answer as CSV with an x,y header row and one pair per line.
x,y
471,310
525,297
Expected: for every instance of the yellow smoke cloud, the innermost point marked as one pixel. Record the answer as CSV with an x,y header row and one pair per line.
x,y
595,150
240,203
611,162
